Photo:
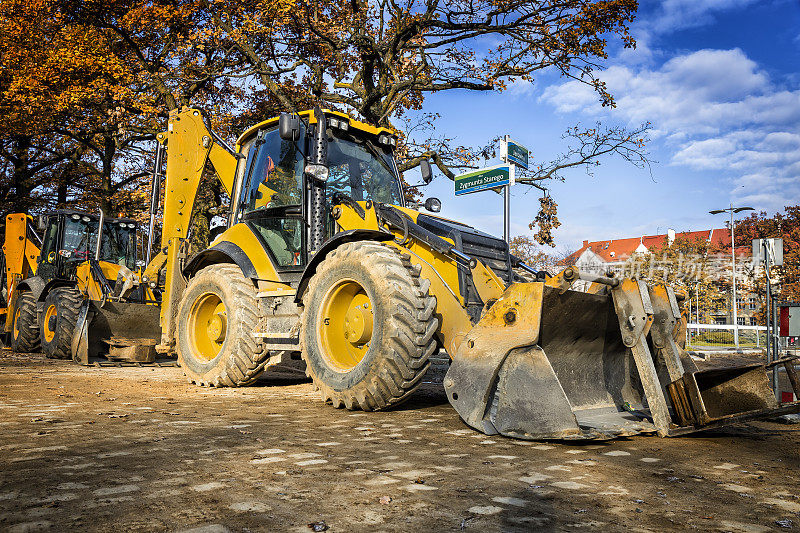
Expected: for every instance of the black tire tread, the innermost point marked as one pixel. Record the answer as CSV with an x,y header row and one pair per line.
x,y
248,357
412,330
68,302
28,339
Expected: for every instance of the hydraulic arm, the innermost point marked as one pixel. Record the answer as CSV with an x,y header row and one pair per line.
x,y
189,145
21,252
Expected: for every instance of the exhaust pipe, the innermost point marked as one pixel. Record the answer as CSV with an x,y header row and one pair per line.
x,y
317,174
99,235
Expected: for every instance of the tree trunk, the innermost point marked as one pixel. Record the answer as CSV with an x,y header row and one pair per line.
x,y
105,200
22,182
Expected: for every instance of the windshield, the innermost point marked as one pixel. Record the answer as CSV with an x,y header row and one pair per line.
x,y
362,171
118,246
78,238
274,172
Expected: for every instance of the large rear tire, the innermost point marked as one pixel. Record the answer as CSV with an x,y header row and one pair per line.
x,y
25,331
58,320
217,317
368,327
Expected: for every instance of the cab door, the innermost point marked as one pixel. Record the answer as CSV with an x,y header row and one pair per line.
x,y
48,266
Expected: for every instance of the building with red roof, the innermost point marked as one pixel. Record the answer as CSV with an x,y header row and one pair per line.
x,y
619,254
620,250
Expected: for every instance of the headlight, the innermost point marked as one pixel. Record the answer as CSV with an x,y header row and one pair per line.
x,y
123,225
387,140
338,123
86,219
75,217
319,172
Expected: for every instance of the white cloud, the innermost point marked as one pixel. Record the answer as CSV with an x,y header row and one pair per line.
x,y
658,18
715,110
680,14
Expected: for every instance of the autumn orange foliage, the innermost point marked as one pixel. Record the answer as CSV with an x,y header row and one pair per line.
x,y
85,84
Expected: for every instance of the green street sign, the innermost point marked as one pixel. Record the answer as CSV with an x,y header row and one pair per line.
x,y
517,154
485,178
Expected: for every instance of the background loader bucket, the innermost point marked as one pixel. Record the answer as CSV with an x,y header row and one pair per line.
x,y
120,331
708,396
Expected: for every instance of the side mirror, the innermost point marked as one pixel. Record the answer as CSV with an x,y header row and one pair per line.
x,y
41,222
289,127
427,173
434,205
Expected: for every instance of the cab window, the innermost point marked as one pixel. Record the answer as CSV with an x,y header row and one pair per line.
x,y
118,244
274,173
78,238
49,241
284,236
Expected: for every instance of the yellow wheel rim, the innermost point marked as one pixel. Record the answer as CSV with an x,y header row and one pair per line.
x,y
16,324
50,323
208,326
345,325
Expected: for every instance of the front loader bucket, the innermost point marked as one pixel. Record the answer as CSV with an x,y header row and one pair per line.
x,y
119,331
549,363
722,396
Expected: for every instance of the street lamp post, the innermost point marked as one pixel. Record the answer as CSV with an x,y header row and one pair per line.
x,y
697,293
733,210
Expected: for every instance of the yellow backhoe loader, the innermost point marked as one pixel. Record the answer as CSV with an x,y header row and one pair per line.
x,y
81,271
21,249
323,260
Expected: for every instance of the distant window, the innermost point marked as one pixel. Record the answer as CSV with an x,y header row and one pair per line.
x,y
740,320
753,321
720,321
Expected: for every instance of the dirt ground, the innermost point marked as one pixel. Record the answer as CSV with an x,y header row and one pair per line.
x,y
139,449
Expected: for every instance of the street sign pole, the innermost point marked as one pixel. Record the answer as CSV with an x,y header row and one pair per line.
x,y
515,155
771,328
507,203
768,313
506,214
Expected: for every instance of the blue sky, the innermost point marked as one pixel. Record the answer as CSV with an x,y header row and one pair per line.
x,y
720,82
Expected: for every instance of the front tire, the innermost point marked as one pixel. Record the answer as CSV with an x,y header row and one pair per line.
x,y
368,327
25,331
217,317
58,320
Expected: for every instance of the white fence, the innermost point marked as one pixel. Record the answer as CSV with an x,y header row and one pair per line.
x,y
710,336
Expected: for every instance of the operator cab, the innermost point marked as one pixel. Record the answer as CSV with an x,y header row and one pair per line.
x,y
70,238
272,187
